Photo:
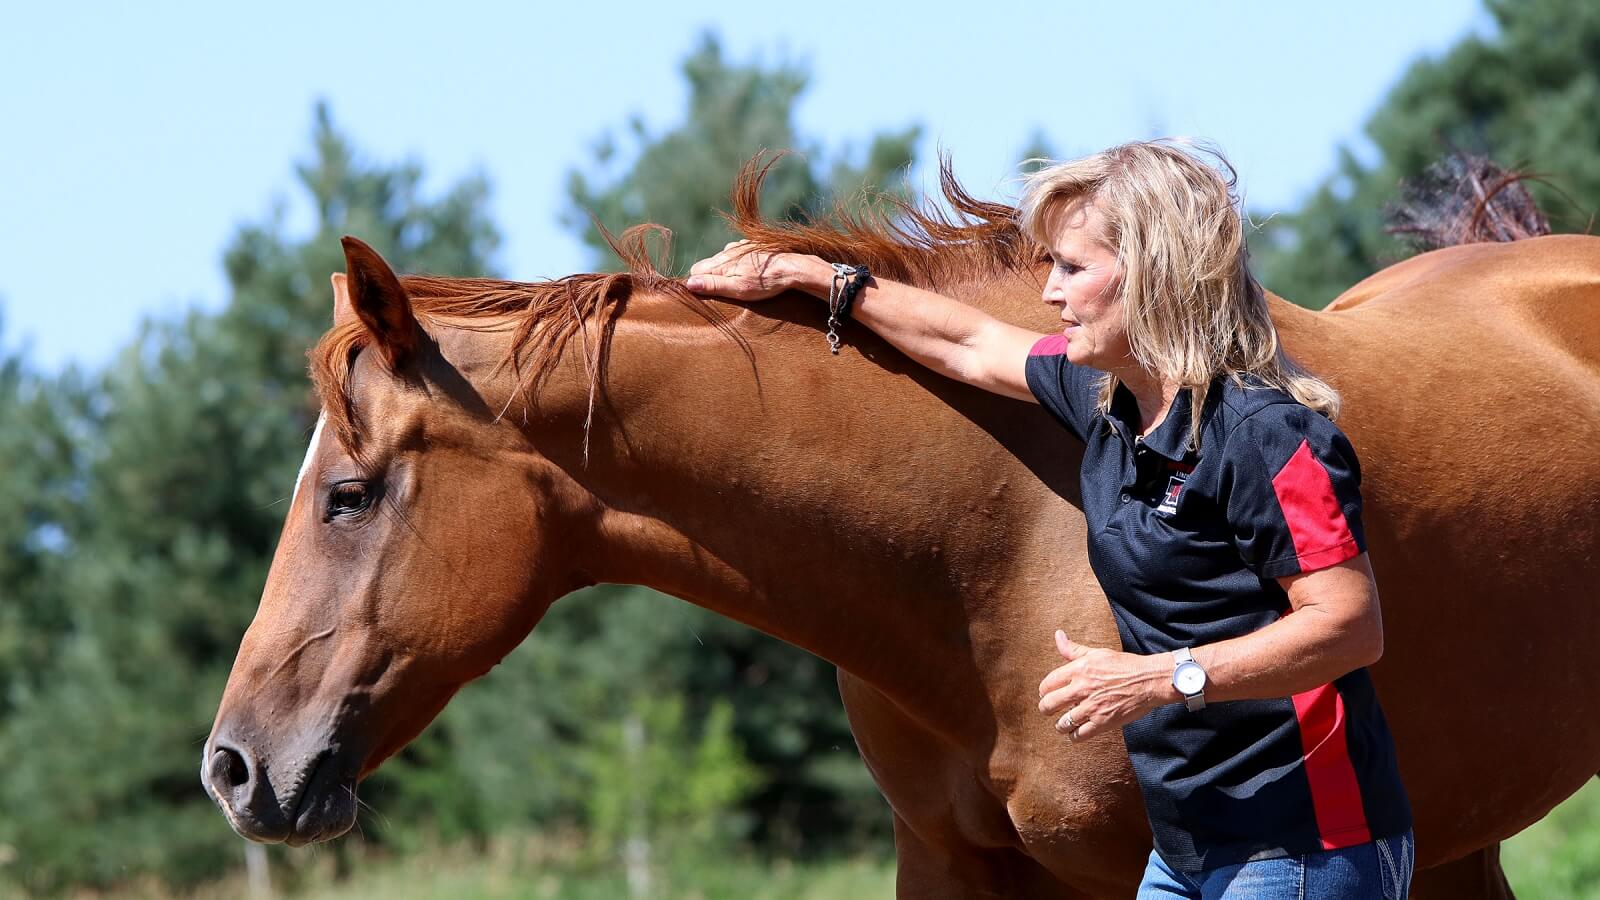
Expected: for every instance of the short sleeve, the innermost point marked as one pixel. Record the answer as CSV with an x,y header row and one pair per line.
x,y
1066,391
1293,491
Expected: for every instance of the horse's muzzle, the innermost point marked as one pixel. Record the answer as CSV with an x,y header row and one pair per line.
x,y
312,797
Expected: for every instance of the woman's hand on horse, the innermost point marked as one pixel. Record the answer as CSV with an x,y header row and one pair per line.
x,y
741,272
1102,690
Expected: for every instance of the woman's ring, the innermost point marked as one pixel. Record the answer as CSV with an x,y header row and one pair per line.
x,y
1071,725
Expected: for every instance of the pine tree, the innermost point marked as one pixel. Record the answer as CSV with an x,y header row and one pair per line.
x,y
1525,96
680,178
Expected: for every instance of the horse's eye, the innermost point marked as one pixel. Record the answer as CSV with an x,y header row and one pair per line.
x,y
348,498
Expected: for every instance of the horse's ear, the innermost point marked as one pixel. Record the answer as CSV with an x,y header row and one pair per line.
x,y
343,311
371,292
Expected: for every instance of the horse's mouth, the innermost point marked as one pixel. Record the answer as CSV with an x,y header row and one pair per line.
x,y
327,806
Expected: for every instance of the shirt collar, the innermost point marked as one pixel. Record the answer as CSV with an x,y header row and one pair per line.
x,y
1171,438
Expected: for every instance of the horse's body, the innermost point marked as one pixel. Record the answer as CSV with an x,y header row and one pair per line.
x,y
924,537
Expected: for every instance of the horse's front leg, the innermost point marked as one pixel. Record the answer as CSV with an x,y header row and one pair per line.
x,y
924,871
952,838
1476,876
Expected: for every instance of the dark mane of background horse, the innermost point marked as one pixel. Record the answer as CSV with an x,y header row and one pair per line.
x,y
1466,199
1461,199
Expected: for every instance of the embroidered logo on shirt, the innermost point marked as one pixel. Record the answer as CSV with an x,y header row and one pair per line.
x,y
1169,502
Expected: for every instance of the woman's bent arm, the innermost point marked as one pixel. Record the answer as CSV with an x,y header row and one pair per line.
x,y
1335,627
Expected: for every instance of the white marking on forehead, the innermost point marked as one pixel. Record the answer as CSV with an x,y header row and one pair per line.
x,y
316,438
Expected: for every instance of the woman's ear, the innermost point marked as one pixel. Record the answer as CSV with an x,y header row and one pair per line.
x,y
370,291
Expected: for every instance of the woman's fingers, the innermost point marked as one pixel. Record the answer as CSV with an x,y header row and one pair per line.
x,y
1058,678
1068,723
740,272
730,258
719,285
1059,700
1078,724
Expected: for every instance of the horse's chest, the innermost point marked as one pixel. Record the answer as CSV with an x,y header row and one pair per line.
x,y
1076,811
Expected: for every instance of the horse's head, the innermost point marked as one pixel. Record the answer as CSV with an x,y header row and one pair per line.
x,y
422,543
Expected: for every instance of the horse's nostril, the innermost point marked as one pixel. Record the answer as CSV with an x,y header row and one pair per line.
x,y
228,768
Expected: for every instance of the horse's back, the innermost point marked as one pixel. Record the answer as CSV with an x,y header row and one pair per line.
x,y
1544,290
1471,386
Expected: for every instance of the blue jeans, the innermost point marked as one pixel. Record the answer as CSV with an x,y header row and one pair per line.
x,y
1380,870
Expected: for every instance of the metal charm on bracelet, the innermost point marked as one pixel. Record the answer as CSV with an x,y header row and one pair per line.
x,y
836,296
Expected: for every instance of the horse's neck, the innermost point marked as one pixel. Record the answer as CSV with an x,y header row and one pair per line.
x,y
855,505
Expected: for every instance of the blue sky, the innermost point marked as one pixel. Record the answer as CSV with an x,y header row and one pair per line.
x,y
135,138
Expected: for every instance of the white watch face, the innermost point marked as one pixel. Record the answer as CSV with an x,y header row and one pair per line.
x,y
1189,679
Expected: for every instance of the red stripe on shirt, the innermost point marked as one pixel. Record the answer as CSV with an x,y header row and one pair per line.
x,y
1050,345
1316,521
1335,793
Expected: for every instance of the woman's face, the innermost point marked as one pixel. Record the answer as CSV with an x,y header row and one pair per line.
x,y
1085,282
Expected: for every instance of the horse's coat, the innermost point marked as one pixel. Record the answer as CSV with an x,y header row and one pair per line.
x,y
922,535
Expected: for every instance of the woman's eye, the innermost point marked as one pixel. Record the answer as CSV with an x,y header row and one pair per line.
x,y
348,497
1067,267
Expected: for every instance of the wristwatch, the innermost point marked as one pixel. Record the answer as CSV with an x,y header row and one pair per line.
x,y
1189,679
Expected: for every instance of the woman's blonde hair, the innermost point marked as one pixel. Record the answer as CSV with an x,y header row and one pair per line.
x,y
1193,310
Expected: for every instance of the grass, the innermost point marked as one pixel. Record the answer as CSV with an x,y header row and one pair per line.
x,y
524,869
1556,859
748,879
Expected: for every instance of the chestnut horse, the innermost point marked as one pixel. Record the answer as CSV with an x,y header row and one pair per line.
x,y
486,447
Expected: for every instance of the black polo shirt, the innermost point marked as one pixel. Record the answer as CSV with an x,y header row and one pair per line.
x,y
1188,546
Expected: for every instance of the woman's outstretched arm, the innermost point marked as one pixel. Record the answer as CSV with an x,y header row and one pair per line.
x,y
945,335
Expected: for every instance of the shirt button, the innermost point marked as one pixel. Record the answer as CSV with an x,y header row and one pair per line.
x,y
1126,497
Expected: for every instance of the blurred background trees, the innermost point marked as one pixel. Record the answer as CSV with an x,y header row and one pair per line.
x,y
680,178
152,495
1526,96
139,506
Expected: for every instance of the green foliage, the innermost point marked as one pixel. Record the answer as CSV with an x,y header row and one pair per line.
x,y
1035,152
37,488
682,177
655,791
518,865
1525,96
1559,857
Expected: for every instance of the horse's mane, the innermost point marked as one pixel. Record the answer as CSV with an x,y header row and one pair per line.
x,y
1467,199
900,240
1462,200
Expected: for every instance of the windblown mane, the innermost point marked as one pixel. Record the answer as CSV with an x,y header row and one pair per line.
x,y
919,245
1466,199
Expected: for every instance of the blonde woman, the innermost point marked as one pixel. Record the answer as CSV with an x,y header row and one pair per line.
x,y
1220,497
